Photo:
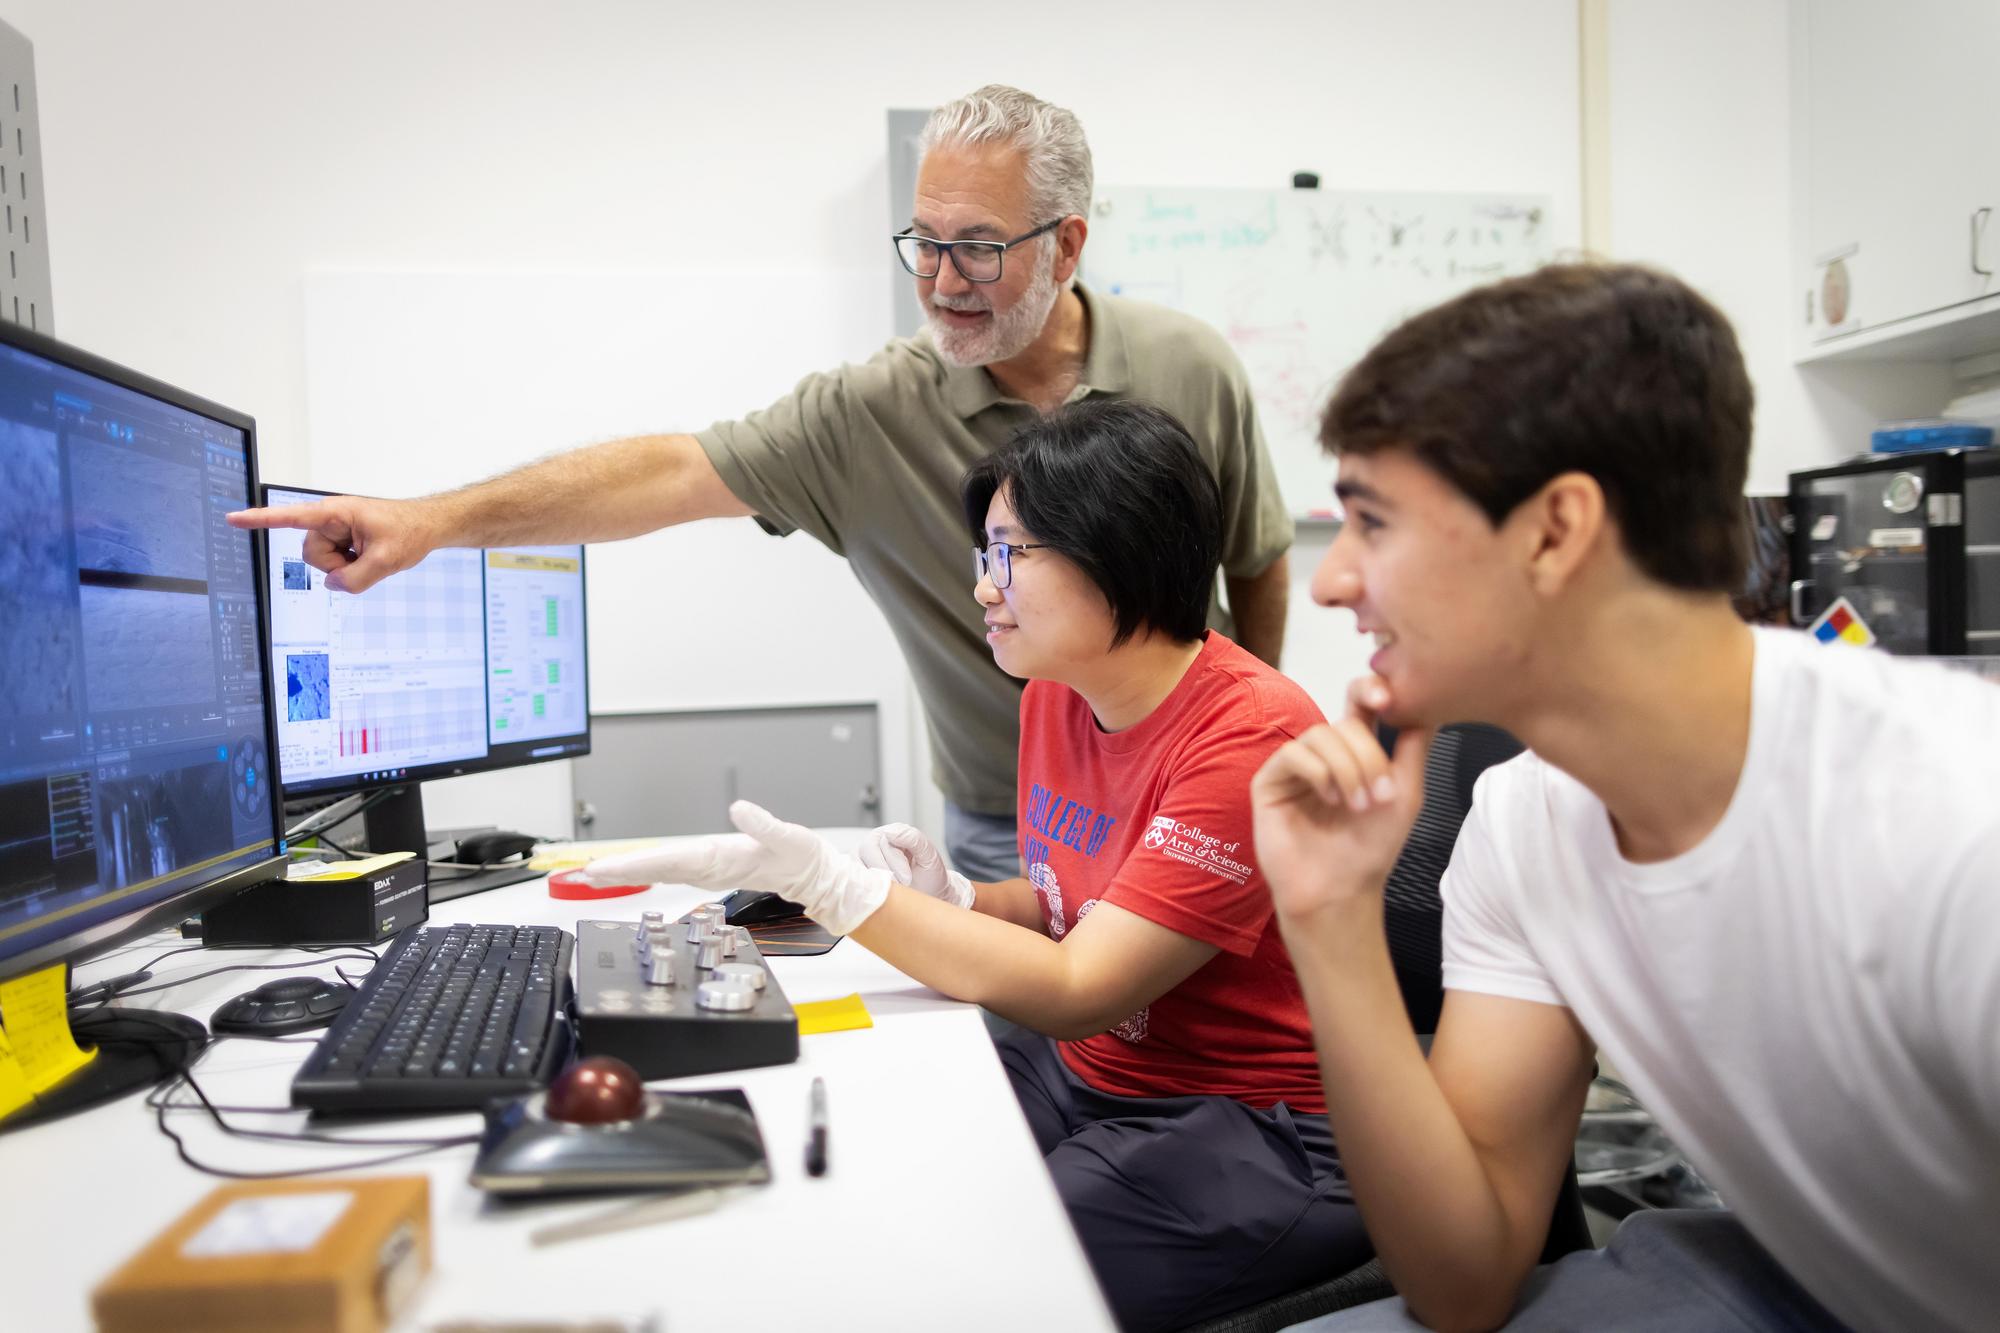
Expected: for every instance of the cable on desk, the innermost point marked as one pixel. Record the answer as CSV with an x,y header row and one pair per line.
x,y
358,953
154,962
249,967
161,1101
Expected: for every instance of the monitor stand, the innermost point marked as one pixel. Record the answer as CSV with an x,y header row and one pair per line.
x,y
396,824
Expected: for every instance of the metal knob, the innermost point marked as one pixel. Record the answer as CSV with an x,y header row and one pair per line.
x,y
660,971
744,942
710,952
748,972
732,997
652,920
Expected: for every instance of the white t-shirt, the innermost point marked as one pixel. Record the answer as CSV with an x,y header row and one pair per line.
x,y
1809,1000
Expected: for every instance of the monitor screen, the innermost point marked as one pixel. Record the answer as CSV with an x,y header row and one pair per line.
x,y
134,724
474,659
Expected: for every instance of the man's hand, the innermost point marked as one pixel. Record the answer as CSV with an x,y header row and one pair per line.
x,y
913,859
356,541
1331,810
769,855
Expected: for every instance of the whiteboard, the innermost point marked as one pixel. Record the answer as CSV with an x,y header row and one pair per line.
x,y
1302,282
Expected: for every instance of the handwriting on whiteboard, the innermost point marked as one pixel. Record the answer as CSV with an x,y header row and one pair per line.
x,y
1301,282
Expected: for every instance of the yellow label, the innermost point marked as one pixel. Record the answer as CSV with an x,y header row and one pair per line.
x,y
833,1015
554,564
367,865
14,1090
35,1012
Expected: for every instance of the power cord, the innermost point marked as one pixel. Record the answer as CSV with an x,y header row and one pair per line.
x,y
325,818
103,992
342,848
161,1100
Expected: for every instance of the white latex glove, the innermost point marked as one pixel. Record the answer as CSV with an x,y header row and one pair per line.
x,y
913,859
770,855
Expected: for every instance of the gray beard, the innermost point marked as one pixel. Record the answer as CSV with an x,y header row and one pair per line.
x,y
1010,333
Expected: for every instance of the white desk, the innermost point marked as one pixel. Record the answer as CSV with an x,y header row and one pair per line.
x,y
937,1210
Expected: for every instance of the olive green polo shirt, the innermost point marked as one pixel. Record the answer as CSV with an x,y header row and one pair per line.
x,y
869,459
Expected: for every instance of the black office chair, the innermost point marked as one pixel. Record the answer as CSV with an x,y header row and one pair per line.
x,y
1414,919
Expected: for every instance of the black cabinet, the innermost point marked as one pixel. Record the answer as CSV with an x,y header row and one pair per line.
x,y
1912,541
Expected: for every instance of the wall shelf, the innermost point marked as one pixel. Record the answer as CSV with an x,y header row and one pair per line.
x,y
1950,334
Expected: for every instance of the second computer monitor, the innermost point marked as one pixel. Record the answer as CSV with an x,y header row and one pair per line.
x,y
473,660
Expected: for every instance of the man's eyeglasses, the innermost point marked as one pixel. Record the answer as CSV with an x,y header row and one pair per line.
x,y
976,261
995,560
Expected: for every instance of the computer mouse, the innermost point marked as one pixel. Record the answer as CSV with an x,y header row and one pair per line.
x,y
483,849
755,907
289,1004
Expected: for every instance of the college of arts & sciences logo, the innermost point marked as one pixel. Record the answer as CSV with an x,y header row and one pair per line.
x,y
1188,844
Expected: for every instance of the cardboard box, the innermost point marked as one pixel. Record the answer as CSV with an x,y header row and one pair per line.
x,y
279,1256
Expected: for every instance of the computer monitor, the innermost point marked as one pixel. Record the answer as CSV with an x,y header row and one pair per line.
x,y
472,660
134,721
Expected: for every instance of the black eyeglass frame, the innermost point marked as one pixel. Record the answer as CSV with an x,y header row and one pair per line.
x,y
949,250
985,567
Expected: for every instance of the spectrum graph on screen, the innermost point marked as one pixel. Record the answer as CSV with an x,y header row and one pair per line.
x,y
459,660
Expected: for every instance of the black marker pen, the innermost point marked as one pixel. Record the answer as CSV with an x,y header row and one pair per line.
x,y
816,1130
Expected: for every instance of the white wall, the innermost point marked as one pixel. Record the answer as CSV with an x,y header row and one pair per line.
x,y
1701,172
205,157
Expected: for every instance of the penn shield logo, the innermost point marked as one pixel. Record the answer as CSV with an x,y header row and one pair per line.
x,y
1191,845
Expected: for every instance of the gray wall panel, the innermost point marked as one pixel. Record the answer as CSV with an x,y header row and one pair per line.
x,y
654,773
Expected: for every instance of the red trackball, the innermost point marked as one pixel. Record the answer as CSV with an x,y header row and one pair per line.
x,y
599,1090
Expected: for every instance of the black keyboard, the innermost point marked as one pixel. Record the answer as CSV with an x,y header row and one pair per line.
x,y
451,1016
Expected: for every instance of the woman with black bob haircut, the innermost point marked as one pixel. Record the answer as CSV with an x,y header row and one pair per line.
x,y
1163,1055
1118,489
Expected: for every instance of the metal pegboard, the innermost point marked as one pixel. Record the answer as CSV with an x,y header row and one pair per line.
x,y
24,282
905,128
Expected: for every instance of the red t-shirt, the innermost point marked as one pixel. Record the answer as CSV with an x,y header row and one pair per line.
x,y
1156,818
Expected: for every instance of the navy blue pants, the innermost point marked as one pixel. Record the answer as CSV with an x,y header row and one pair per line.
x,y
1188,1207
1669,1271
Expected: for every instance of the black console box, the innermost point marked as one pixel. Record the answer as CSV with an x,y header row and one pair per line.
x,y
368,909
660,1030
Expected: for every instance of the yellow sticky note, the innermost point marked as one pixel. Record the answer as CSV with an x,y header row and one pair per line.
x,y
832,1015
570,855
14,1090
35,1011
367,865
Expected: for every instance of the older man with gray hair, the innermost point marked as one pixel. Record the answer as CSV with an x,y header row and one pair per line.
x,y
868,458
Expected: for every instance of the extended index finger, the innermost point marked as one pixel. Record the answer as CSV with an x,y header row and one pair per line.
x,y
309,516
